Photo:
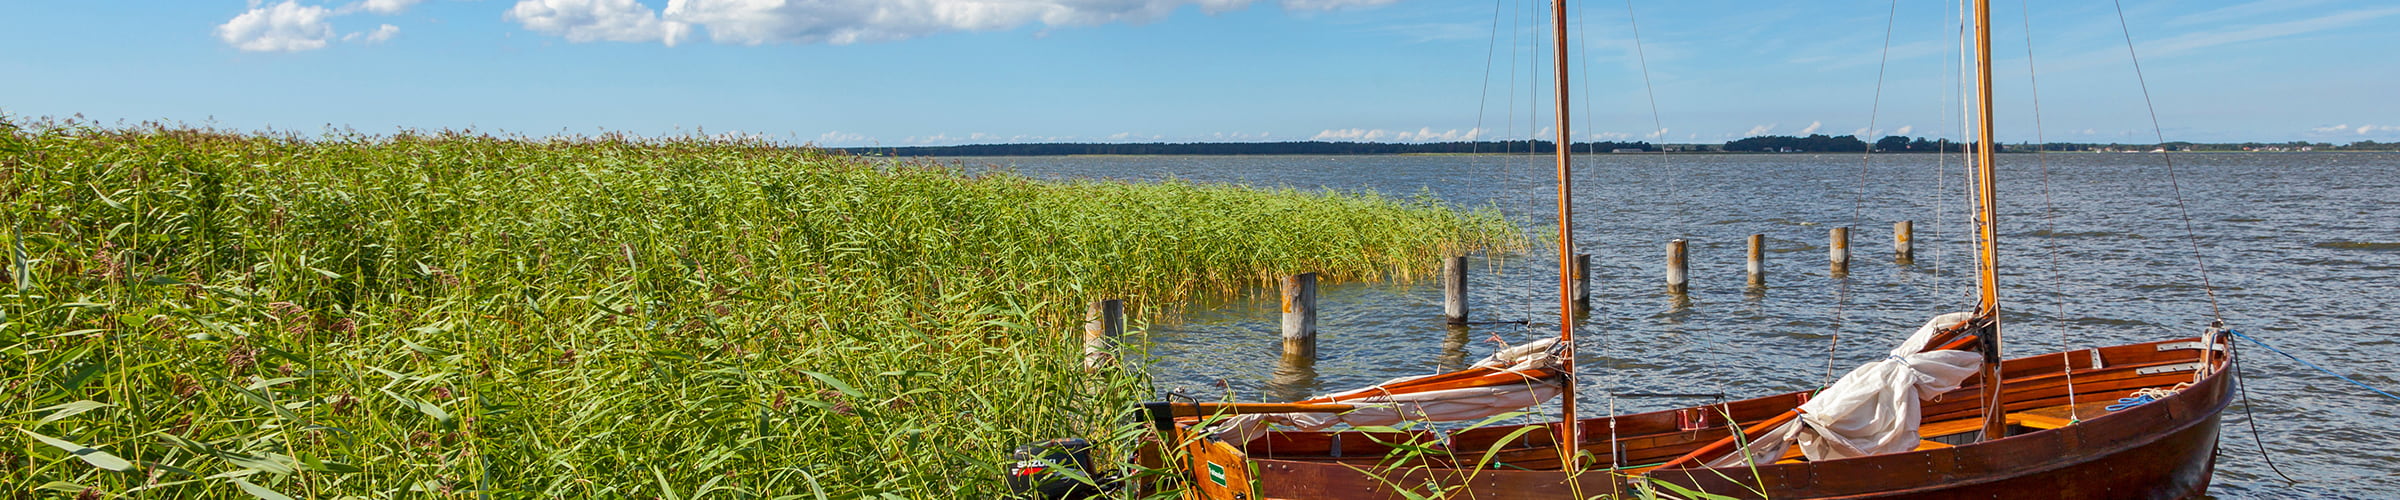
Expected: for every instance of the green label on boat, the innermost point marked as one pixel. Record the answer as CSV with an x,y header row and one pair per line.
x,y
1216,473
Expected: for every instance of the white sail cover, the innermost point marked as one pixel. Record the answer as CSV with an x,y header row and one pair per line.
x,y
1378,407
1872,410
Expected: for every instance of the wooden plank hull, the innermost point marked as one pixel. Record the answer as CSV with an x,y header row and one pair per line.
x,y
2164,449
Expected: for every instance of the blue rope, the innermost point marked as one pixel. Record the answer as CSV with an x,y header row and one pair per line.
x,y
2123,403
2312,365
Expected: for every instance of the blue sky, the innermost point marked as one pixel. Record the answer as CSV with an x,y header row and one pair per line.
x,y
910,72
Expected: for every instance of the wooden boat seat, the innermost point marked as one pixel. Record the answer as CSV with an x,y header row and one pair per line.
x,y
1961,426
2038,421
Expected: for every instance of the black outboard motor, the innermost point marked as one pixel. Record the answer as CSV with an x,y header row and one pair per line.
x,y
1034,471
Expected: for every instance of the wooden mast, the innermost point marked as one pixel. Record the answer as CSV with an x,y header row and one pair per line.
x,y
1987,265
1568,432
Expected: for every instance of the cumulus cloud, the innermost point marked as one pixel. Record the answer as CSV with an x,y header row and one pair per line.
x,y
1238,136
598,20
283,27
753,22
385,7
2360,129
1904,130
1760,130
380,35
837,138
1812,128
1424,134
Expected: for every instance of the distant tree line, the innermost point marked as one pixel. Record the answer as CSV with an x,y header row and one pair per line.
x,y
1814,143
1244,148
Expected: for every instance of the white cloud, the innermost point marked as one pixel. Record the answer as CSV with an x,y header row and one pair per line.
x,y
1904,130
753,22
381,34
1351,135
283,27
931,139
598,20
1812,128
385,7
1760,130
1238,136
1423,134
838,138
2361,129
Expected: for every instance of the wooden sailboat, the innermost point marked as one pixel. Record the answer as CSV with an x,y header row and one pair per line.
x,y
2046,426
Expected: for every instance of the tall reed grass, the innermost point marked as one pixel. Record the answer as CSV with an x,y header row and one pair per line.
x,y
192,314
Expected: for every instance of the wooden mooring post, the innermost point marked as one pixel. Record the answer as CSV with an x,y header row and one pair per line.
x,y
1454,289
1678,268
1583,282
1300,316
1904,249
1101,328
1757,265
1840,251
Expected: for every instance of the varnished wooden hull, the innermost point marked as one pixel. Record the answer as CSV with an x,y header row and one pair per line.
x,y
2164,449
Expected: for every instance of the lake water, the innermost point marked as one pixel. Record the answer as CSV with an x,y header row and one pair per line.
x,y
2303,250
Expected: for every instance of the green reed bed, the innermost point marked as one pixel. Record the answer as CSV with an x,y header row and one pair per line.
x,y
199,314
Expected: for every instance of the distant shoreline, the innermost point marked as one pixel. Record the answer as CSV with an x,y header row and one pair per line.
x,y
1755,145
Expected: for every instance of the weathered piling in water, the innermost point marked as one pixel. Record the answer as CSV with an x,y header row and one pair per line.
x,y
1904,248
1840,250
1300,316
1583,282
1454,289
1678,268
1101,328
1757,265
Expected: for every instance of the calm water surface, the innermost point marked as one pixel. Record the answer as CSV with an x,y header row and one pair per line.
x,y
2303,251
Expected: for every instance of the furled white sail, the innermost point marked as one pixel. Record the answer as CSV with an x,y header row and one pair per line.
x,y
1872,410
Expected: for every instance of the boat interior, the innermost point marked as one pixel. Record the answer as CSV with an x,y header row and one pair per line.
x,y
2044,392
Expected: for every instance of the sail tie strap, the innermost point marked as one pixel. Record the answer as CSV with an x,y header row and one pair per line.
x,y
2313,365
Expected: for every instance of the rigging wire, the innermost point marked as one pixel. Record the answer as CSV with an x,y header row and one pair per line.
x,y
1483,100
1965,124
2344,378
1658,128
1858,196
2041,154
2198,259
